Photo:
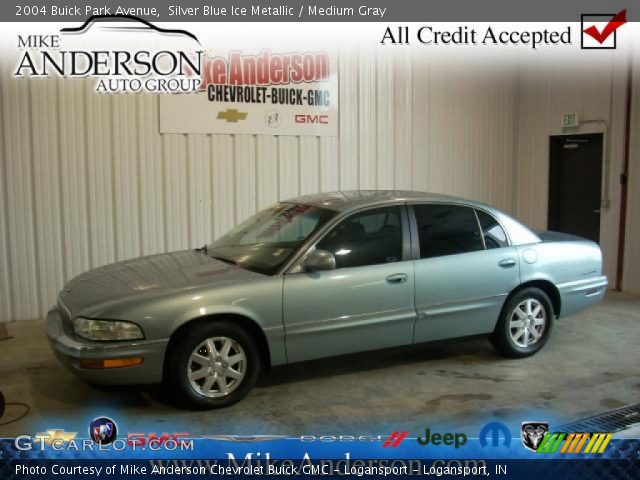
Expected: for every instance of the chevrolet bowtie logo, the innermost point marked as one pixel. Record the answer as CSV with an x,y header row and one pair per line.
x,y
232,115
55,434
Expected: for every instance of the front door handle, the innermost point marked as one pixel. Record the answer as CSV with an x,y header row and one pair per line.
x,y
396,278
507,263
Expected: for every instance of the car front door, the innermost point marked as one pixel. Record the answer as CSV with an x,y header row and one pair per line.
x,y
366,302
463,272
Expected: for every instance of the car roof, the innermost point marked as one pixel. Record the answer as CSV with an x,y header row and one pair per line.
x,y
346,200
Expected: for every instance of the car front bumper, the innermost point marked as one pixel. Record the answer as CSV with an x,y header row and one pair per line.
x,y
70,350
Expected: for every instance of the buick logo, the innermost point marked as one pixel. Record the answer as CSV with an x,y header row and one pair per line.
x,y
272,118
532,434
103,430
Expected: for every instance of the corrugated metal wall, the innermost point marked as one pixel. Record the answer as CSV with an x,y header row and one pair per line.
x,y
631,270
87,179
550,87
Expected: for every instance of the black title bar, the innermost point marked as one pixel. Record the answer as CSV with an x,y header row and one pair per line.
x,y
317,11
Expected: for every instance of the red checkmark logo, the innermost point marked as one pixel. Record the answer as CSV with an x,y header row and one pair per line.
x,y
616,22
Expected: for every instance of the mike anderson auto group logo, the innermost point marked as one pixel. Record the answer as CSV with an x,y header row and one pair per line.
x,y
159,68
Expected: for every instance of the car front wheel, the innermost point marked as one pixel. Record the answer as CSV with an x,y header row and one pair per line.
x,y
524,325
213,365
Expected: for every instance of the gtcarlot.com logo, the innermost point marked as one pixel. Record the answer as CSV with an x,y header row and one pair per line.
x,y
103,435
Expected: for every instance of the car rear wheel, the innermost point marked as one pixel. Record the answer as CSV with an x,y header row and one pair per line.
x,y
213,365
524,325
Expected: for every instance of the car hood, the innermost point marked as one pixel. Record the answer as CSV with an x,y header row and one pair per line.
x,y
148,276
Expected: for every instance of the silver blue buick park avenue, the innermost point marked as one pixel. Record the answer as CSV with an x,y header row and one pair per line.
x,y
317,276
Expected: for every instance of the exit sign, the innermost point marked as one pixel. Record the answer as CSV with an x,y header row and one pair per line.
x,y
570,120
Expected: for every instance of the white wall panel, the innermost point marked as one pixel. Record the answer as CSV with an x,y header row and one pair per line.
x,y
547,90
631,271
223,184
401,120
348,85
200,208
101,219
385,133
86,179
6,278
329,164
23,255
48,191
126,175
367,121
288,167
73,171
245,176
421,130
309,165
176,192
151,190
266,170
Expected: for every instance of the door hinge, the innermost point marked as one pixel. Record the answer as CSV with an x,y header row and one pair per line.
x,y
623,179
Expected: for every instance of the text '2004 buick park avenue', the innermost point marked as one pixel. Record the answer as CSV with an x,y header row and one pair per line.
x,y
318,276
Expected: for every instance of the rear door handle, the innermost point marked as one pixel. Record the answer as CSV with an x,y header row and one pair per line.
x,y
396,278
507,263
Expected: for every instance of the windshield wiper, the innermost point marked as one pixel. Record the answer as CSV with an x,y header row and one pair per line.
x,y
225,259
203,249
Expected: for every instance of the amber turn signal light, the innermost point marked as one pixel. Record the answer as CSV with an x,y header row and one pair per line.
x,y
111,362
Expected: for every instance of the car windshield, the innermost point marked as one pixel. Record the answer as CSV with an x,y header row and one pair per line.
x,y
265,242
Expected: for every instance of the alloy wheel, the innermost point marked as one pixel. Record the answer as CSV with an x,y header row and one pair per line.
x,y
527,323
216,367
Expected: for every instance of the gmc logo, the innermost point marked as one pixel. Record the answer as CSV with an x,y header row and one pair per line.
x,y
142,439
322,119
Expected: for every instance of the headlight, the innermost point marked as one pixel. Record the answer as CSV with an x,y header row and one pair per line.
x,y
106,329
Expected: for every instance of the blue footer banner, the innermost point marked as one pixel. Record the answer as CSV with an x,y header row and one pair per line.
x,y
535,453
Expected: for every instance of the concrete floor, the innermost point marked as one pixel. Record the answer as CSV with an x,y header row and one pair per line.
x,y
591,364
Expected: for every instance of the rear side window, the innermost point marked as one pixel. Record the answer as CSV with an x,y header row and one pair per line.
x,y
494,236
447,230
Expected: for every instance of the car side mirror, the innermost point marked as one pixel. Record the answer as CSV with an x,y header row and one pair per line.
x,y
320,260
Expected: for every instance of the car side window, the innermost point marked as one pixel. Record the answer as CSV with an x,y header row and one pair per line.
x,y
368,238
447,230
494,235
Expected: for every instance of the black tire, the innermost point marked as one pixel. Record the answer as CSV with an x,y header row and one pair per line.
x,y
179,360
514,345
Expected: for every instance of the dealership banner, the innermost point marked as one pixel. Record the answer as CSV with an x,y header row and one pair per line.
x,y
269,93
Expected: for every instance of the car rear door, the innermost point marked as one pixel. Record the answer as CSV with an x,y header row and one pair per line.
x,y
463,272
367,302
